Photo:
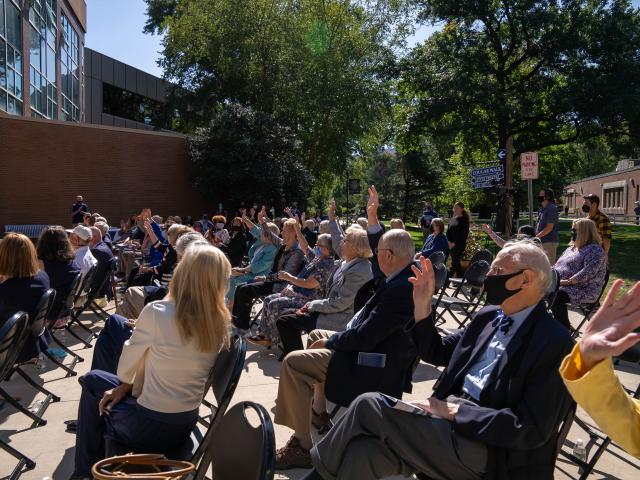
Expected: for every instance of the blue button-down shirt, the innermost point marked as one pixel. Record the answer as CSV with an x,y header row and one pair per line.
x,y
480,371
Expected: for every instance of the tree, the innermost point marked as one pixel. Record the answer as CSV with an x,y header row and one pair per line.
x,y
320,67
541,72
246,156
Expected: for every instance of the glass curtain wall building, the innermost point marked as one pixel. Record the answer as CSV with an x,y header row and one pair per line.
x,y
41,58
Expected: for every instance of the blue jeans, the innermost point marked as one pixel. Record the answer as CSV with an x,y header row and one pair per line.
x,y
138,428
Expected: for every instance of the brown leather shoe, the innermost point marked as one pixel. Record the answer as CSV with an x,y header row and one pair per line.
x,y
292,455
319,420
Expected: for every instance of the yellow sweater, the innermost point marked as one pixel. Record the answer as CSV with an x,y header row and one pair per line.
x,y
601,395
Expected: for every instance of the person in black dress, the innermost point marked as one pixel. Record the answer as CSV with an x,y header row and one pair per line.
x,y
457,235
236,249
56,258
22,284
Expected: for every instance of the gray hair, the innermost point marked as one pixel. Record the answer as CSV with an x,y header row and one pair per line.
x,y
400,242
273,239
310,223
362,222
188,239
324,226
103,227
324,240
527,254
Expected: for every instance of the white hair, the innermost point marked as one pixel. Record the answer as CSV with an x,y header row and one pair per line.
x,y
324,226
103,227
362,222
401,243
188,239
527,254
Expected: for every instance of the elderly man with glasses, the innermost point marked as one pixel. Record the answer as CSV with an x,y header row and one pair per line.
x,y
374,352
496,409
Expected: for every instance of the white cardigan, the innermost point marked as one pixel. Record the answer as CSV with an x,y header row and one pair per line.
x,y
167,375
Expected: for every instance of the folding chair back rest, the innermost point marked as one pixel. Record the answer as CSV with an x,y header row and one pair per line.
x,y
441,275
73,294
102,282
555,286
565,426
13,335
485,255
225,374
437,258
476,273
38,322
85,284
241,450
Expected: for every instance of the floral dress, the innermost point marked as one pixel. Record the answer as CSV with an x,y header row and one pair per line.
x,y
292,297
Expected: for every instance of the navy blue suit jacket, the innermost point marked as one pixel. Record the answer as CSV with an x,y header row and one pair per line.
x,y
524,400
104,255
378,329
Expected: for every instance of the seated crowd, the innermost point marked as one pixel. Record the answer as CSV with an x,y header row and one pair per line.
x,y
363,296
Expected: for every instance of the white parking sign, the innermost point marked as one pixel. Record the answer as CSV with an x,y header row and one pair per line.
x,y
529,165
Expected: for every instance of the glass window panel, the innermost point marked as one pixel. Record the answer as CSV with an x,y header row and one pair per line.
x,y
76,91
13,25
51,65
3,101
18,60
11,105
18,107
2,30
3,66
10,56
34,49
11,81
18,85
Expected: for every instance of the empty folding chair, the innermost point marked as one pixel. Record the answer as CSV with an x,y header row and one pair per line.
x,y
473,280
105,281
555,286
240,450
441,275
80,304
12,335
437,258
485,255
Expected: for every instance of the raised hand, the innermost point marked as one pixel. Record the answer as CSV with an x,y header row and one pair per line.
x,y
331,210
423,288
287,210
303,217
374,201
486,229
611,330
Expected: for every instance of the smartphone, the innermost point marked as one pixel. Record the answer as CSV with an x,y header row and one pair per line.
x,y
375,360
403,406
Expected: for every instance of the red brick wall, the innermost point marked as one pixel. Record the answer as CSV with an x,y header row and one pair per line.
x,y
45,164
631,179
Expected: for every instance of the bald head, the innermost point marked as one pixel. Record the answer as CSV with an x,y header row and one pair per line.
x,y
96,236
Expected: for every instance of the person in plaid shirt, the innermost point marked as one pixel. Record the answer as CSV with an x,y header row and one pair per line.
x,y
592,207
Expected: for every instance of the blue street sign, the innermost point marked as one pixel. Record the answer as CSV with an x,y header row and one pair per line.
x,y
502,154
487,177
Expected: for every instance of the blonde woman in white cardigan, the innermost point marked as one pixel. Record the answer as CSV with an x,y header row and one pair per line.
x,y
151,405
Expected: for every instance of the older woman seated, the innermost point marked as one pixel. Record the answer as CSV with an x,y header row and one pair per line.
x,y
436,241
261,255
152,404
582,269
307,286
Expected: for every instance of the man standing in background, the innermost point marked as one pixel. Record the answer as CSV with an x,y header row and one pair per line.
x,y
547,228
78,210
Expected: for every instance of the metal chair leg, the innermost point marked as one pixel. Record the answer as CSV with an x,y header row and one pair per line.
x,y
76,358
69,370
23,461
37,420
74,334
30,381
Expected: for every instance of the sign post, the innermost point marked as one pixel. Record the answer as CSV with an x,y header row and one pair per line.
x,y
529,172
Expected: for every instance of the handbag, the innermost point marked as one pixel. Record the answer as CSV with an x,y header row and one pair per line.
x,y
141,467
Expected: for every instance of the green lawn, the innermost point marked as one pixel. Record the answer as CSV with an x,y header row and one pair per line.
x,y
625,249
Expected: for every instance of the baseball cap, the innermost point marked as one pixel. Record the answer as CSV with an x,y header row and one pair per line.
x,y
81,232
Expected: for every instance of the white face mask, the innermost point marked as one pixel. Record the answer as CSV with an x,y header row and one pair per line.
x,y
219,226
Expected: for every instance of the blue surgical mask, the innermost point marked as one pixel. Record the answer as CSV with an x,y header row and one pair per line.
x,y
317,251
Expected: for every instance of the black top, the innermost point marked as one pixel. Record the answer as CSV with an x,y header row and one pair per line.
x,y
22,294
61,274
458,232
104,256
78,217
310,236
236,248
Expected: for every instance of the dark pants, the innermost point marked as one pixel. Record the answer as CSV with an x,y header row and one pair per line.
x,y
137,279
106,353
560,310
140,429
291,327
243,301
456,268
372,440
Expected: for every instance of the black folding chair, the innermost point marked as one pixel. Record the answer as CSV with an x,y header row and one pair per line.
x,y
472,284
437,258
105,281
441,274
235,436
588,309
67,308
82,295
485,255
553,291
37,326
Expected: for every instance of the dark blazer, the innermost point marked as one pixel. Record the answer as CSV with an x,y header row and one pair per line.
x,y
22,294
379,328
104,256
236,248
374,239
524,400
61,274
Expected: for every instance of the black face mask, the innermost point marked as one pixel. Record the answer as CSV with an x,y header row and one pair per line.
x,y
586,209
574,234
540,199
431,228
495,286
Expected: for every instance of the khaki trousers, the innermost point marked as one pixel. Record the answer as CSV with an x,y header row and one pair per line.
x,y
550,249
301,371
133,302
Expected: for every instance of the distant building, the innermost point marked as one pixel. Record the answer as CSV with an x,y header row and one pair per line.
x,y
618,191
